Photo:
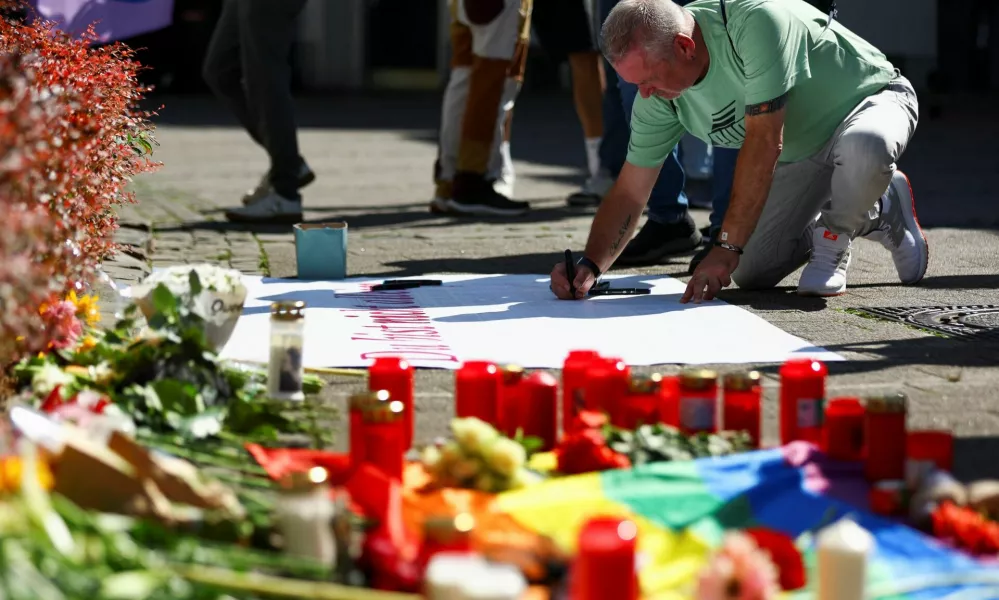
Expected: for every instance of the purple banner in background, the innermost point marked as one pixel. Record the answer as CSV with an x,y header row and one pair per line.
x,y
114,19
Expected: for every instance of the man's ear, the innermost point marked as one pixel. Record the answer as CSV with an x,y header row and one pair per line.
x,y
684,46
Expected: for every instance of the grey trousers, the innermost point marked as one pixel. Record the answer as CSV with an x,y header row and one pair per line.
x,y
247,66
837,187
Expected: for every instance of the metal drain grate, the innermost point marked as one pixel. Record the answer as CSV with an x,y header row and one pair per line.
x,y
979,322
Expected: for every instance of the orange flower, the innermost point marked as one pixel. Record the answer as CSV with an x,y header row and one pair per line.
x,y
86,308
10,474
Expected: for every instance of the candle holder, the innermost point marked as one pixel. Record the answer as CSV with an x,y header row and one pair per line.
x,y
477,389
606,384
802,395
357,405
605,562
640,405
383,437
510,401
885,437
843,435
574,371
741,404
395,375
698,401
538,412
669,401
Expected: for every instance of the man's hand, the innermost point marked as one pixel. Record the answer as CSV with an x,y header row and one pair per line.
x,y
560,283
714,273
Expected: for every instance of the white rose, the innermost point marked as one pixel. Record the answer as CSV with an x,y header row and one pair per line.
x,y
473,435
505,456
48,377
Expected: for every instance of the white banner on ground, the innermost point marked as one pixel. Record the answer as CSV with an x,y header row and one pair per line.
x,y
509,319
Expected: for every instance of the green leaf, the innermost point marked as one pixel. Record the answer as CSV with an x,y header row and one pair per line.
x,y
530,443
163,300
176,396
195,282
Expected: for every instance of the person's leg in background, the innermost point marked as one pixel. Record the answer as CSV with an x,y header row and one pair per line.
x,y
500,34
266,34
669,229
477,109
563,28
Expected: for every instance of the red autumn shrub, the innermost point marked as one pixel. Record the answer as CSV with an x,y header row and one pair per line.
x,y
71,139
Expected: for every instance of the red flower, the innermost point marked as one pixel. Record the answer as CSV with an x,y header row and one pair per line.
x,y
585,450
966,529
784,554
53,401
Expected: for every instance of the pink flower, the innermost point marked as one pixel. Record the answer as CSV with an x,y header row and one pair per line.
x,y
738,571
63,323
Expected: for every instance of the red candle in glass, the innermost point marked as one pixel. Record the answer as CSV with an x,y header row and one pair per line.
x,y
395,375
445,533
538,414
606,384
605,562
669,401
932,446
843,433
358,404
741,404
698,401
885,437
511,399
574,370
383,437
640,406
476,391
802,394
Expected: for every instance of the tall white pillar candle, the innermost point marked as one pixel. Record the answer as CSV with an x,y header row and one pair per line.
x,y
844,549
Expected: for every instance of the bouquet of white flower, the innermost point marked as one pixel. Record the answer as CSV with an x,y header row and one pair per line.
x,y
478,458
219,301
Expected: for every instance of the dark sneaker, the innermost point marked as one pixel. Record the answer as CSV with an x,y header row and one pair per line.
x,y
706,232
474,195
272,208
656,241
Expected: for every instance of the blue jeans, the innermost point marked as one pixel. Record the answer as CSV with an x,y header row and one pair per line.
x,y
721,185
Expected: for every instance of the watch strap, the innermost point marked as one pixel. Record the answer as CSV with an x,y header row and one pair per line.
x,y
589,264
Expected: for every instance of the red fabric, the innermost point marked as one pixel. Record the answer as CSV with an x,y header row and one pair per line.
x,y
278,462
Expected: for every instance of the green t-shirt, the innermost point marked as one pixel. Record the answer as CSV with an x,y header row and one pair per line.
x,y
779,46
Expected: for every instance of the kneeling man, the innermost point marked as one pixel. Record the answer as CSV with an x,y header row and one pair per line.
x,y
821,118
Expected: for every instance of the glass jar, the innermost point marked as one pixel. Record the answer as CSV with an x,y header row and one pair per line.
x,y
698,401
741,404
511,399
285,369
885,437
304,514
640,406
384,437
359,403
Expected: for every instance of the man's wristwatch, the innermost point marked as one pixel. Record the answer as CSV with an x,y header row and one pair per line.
x,y
589,264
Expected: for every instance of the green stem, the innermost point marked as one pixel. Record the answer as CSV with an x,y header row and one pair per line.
x,y
281,586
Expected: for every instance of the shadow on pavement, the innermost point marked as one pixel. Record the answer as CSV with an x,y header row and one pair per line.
x,y
975,458
411,219
981,281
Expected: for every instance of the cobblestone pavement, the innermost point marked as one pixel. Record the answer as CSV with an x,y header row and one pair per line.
x,y
374,156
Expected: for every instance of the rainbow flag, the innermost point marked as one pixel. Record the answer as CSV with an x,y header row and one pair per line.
x,y
682,510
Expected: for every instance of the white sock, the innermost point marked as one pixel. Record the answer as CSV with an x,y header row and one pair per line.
x,y
593,155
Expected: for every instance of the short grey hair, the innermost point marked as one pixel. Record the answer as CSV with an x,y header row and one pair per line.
x,y
649,25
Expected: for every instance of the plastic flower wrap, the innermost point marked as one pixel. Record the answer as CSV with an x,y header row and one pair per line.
x,y
740,570
478,458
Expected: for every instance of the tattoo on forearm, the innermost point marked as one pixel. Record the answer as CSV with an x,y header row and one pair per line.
x,y
769,106
621,232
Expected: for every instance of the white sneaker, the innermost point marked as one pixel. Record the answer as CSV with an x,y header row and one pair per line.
x,y
440,205
271,208
305,177
825,273
899,232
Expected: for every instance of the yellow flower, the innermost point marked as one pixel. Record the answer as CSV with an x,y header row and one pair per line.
x,y
506,456
88,343
86,308
10,474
